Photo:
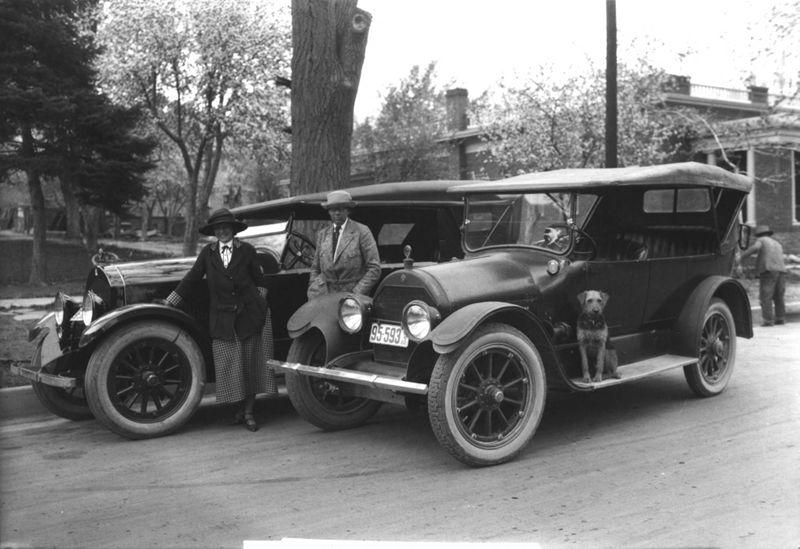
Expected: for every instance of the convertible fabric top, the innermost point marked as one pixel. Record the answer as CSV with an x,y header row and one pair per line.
x,y
406,193
688,174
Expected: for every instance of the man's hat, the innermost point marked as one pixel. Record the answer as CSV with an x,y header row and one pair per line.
x,y
220,217
339,199
763,230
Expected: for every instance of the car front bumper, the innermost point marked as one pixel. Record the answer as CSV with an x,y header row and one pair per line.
x,y
47,351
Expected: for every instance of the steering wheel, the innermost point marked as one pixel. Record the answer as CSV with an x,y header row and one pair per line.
x,y
300,248
582,242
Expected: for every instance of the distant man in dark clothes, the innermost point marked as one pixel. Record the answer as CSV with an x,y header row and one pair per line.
x,y
771,273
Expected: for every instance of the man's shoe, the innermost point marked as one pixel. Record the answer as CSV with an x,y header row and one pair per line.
x,y
767,324
780,322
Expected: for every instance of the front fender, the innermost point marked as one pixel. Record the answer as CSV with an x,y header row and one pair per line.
x,y
452,331
139,311
687,330
322,313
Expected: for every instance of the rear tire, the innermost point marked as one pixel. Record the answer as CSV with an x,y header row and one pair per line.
x,y
320,401
716,352
145,380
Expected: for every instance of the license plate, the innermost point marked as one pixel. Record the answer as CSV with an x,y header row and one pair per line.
x,y
388,334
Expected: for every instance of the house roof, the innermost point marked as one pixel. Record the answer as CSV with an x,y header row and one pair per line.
x,y
690,174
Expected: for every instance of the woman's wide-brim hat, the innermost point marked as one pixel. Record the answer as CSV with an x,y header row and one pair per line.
x,y
339,199
763,230
222,216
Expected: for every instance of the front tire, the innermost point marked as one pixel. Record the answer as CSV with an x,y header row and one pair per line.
x,y
145,380
716,352
66,403
320,401
485,400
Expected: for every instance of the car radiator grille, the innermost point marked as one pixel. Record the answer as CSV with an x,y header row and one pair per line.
x,y
388,307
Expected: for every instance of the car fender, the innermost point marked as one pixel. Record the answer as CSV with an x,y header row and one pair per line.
x,y
449,334
322,314
124,315
687,326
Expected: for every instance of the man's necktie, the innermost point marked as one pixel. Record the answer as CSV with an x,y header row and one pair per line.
x,y
226,255
336,229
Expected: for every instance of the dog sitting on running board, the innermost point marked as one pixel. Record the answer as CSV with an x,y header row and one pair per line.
x,y
593,337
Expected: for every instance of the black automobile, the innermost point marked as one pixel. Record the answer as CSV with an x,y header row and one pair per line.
x,y
140,368
479,341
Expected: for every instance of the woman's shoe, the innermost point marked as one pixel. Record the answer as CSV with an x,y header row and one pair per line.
x,y
250,423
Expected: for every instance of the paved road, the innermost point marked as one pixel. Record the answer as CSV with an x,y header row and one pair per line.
x,y
642,465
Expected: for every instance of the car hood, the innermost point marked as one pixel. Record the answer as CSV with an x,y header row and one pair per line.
x,y
145,272
510,276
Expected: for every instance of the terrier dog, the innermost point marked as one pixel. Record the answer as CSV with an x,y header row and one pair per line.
x,y
593,336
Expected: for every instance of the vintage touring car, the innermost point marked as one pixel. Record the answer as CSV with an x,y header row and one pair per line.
x,y
480,340
140,367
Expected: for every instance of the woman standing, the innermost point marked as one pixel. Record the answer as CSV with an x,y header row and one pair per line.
x,y
239,322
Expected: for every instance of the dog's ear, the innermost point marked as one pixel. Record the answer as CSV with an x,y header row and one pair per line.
x,y
605,298
582,298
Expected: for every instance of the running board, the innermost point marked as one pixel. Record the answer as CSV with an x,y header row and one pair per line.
x,y
638,370
351,376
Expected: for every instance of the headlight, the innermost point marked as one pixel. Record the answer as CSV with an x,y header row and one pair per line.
x,y
59,304
90,302
351,315
418,319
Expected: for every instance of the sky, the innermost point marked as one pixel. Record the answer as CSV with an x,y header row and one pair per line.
x,y
478,42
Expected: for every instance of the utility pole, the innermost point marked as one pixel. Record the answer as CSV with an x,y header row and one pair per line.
x,y
611,84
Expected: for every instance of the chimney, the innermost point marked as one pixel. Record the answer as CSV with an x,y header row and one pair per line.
x,y
456,101
758,94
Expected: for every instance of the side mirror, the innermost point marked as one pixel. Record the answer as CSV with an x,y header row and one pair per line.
x,y
745,232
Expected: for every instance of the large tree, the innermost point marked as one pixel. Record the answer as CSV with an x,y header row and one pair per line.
x,y
545,124
400,144
54,123
329,39
204,69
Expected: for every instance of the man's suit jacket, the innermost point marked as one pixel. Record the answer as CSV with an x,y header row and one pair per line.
x,y
356,267
235,305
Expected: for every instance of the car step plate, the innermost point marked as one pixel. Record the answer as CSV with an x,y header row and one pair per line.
x,y
639,370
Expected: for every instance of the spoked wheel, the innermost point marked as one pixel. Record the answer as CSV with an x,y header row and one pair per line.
x,y
147,381
67,403
486,399
716,354
319,401
300,249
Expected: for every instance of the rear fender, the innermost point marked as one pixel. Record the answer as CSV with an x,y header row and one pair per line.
x,y
322,314
687,327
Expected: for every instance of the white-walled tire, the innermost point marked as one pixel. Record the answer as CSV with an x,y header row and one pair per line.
x,y
145,380
485,399
716,352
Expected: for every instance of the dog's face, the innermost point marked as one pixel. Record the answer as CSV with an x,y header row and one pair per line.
x,y
593,301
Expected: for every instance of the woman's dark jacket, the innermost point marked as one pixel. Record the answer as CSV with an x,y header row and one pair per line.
x,y
234,302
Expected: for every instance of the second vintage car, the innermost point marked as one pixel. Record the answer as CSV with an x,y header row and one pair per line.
x,y
140,368
479,341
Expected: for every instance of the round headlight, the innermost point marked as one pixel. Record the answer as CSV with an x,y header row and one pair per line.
x,y
351,316
418,319
87,309
553,266
58,308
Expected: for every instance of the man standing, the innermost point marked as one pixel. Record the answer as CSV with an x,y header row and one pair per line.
x,y
771,273
346,258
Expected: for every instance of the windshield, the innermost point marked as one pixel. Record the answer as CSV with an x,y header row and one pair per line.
x,y
540,220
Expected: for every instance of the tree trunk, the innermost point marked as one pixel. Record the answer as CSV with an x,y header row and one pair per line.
x,y
147,211
71,208
91,226
38,274
329,39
